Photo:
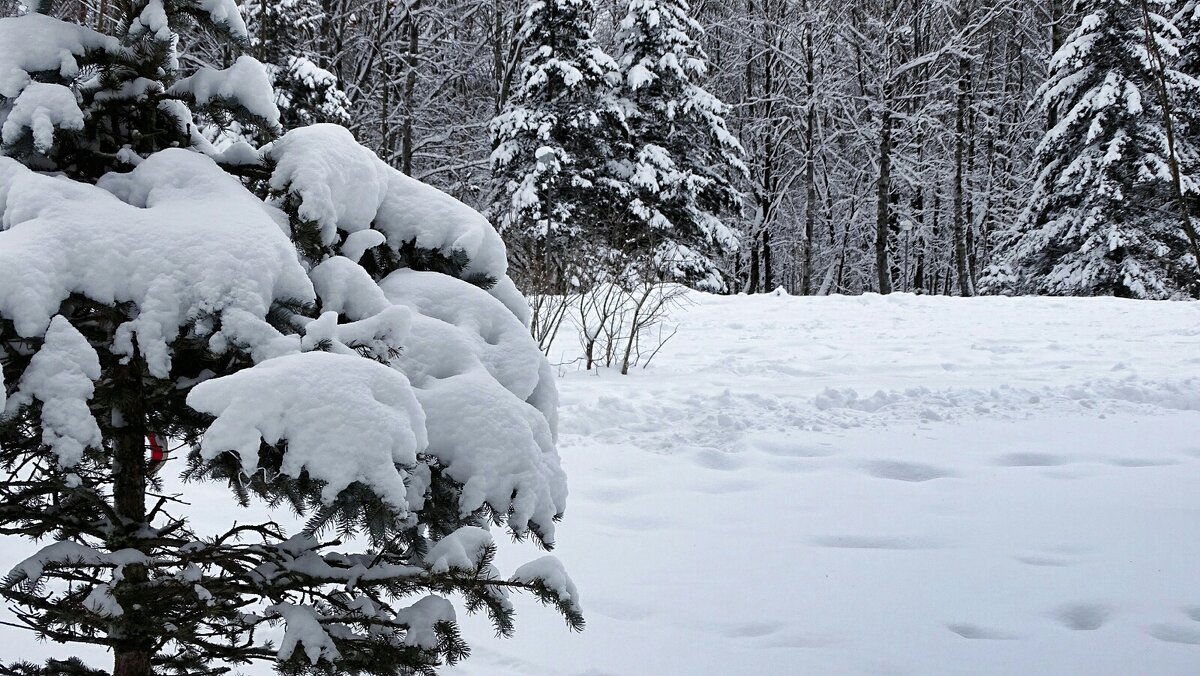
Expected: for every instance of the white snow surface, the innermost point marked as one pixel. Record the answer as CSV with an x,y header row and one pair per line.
x,y
303,630
41,108
460,550
881,485
469,358
900,485
245,82
159,236
343,186
61,376
422,617
346,419
36,43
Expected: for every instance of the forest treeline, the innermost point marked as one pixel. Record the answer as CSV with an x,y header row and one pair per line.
x,y
934,146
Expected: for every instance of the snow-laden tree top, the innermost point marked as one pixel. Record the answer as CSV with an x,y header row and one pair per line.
x,y
345,341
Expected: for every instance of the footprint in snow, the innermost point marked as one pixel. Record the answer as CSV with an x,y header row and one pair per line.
x,y
1143,462
725,487
1176,633
976,632
1031,460
753,629
1040,560
874,542
787,448
906,471
1083,616
619,610
717,460
794,641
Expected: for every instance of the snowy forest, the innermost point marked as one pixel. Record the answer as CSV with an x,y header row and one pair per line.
x,y
952,147
861,327
955,147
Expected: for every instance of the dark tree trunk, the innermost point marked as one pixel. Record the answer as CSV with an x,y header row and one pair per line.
x,y
810,163
883,204
752,282
132,654
960,133
410,87
768,272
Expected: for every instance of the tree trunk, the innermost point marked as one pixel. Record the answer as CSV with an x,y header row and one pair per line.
x,y
752,283
960,133
810,164
133,653
1057,14
135,663
883,204
768,272
410,86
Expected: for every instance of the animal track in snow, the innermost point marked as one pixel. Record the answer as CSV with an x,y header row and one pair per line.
x,y
906,471
874,542
1143,462
1083,616
974,631
1040,560
1031,460
753,629
1176,633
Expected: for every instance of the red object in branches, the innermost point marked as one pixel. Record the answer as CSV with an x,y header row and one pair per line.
x,y
158,453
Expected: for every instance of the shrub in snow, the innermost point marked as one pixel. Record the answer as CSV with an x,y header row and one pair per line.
x,y
313,328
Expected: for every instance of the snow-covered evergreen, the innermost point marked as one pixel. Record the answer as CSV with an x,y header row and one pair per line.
x,y
685,162
305,93
558,141
1102,218
299,321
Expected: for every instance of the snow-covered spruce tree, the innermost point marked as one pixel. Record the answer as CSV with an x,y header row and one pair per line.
x,y
305,93
371,373
685,161
1102,218
557,146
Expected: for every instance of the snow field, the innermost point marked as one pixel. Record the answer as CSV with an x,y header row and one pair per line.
x,y
902,485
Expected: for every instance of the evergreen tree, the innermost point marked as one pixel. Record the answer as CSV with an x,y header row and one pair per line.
x,y
557,143
305,93
685,160
1102,216
150,302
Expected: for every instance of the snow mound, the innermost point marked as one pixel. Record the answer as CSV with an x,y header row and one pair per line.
x,y
422,619
470,359
30,570
342,186
246,82
375,421
302,627
61,376
41,108
548,572
177,237
36,43
460,550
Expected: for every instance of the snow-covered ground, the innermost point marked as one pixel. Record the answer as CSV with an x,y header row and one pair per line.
x,y
867,485
901,485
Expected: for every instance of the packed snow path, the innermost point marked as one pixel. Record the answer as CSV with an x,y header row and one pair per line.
x,y
900,485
